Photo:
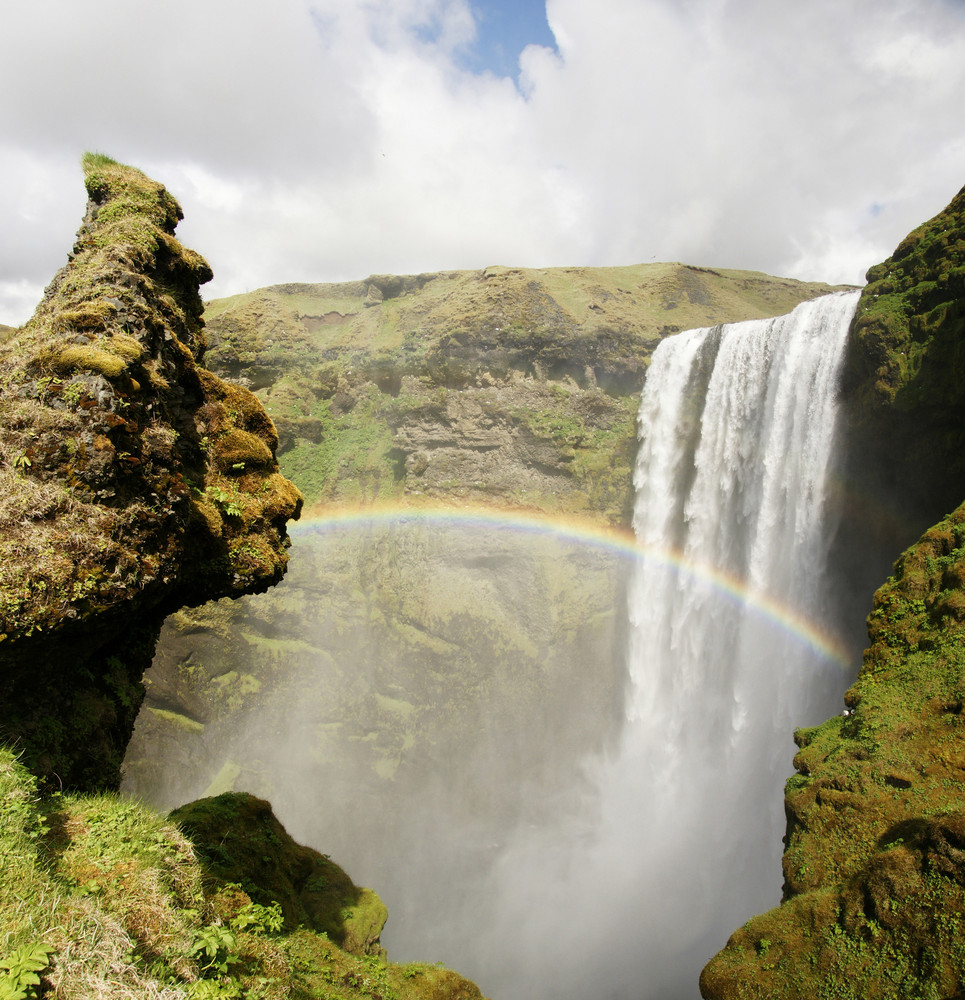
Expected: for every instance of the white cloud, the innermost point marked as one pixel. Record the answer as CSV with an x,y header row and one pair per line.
x,y
329,139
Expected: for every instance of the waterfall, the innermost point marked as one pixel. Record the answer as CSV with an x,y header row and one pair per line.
x,y
725,659
493,850
737,423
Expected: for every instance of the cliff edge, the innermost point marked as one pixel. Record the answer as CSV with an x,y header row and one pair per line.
x,y
514,388
132,481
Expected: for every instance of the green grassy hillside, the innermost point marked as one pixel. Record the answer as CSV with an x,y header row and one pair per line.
x,y
509,387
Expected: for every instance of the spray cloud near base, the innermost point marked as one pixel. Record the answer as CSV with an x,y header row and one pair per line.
x,y
558,758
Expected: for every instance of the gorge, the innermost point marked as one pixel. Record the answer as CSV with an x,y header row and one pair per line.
x,y
447,691
528,800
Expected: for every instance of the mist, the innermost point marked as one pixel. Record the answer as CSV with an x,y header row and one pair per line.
x,y
558,757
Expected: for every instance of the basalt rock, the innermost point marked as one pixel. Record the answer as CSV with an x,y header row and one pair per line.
x,y
132,481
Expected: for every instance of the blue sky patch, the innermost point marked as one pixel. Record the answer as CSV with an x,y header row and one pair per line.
x,y
503,29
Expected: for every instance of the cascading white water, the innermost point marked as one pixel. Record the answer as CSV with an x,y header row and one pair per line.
x,y
624,880
737,424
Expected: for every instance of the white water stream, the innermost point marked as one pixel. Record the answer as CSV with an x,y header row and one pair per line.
x,y
737,425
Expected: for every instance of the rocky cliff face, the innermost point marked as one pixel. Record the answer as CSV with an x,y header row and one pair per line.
x,y
397,645
132,481
507,387
874,861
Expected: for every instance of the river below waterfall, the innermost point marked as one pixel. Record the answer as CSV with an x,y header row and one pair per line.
x,y
559,759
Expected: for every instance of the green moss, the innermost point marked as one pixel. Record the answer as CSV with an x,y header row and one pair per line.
x,y
85,358
177,719
352,462
243,842
906,364
873,862
117,902
130,480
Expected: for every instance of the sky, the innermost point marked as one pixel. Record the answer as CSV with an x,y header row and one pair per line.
x,y
325,140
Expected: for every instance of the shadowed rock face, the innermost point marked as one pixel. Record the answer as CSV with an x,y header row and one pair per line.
x,y
903,380
874,881
132,481
242,842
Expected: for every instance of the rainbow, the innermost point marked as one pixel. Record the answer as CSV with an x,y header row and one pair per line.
x,y
573,529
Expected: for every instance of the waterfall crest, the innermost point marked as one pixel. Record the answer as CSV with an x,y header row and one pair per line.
x,y
737,426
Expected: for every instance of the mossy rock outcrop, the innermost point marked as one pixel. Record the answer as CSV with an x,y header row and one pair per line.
x,y
874,860
874,864
905,371
132,481
243,842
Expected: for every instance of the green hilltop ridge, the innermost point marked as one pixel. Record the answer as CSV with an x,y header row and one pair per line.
x,y
508,387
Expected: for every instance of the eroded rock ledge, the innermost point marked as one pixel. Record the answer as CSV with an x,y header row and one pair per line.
x,y
132,481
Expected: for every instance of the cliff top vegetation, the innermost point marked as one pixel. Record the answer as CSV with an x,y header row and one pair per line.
x,y
507,387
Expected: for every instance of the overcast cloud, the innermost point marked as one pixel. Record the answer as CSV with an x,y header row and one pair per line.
x,y
325,140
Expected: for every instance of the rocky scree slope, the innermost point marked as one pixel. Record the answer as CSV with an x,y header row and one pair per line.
x,y
507,387
132,481
874,860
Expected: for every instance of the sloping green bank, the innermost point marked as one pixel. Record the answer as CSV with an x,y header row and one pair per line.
x,y
101,897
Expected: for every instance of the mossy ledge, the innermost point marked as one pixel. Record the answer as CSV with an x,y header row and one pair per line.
x,y
132,481
101,897
874,860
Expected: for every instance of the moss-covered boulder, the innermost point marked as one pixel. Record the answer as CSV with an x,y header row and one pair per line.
x,y
132,481
243,842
